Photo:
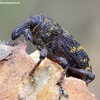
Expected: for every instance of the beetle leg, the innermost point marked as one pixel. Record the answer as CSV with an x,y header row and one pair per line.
x,y
62,76
63,62
37,64
28,36
43,54
87,76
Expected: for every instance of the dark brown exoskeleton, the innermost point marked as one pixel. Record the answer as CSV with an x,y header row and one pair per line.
x,y
57,45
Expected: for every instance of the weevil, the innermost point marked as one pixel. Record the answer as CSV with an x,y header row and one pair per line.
x,y
56,44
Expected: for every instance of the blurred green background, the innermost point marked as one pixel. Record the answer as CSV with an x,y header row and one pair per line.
x,y
81,18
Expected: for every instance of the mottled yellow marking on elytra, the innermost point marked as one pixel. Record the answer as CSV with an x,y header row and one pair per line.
x,y
73,49
89,63
83,60
88,68
54,22
80,48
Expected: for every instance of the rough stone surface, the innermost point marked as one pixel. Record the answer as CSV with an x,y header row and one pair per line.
x,y
16,84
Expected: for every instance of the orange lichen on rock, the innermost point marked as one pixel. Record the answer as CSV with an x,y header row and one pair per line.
x,y
16,84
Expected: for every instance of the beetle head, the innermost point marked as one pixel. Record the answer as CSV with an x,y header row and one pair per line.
x,y
28,24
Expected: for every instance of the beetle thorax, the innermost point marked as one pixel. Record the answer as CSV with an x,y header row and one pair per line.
x,y
46,32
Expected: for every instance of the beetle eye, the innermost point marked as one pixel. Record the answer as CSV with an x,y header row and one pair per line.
x,y
32,23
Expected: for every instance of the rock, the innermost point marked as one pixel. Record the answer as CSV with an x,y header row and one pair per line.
x,y
16,84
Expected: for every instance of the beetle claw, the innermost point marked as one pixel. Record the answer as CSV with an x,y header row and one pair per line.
x,y
10,43
32,78
62,92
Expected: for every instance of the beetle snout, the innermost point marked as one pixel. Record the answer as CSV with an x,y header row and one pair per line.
x,y
15,34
